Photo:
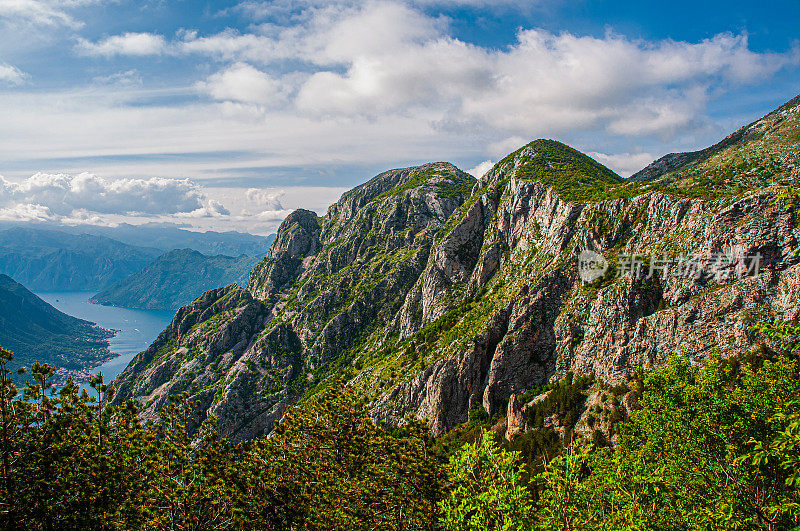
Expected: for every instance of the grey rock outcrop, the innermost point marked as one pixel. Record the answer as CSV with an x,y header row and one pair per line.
x,y
431,293
547,322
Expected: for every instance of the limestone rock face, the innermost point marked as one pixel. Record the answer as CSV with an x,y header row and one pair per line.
x,y
431,293
298,237
533,319
203,341
515,420
325,286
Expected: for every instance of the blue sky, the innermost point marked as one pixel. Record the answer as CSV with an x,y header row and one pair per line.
x,y
230,114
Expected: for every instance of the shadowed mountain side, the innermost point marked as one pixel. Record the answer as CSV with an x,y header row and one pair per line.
x,y
35,331
175,279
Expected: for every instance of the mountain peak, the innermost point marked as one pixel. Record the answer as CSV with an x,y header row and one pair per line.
x,y
442,176
432,294
573,175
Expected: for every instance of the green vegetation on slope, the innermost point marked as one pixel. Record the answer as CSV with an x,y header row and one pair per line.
x,y
574,176
752,157
175,279
36,331
709,447
451,183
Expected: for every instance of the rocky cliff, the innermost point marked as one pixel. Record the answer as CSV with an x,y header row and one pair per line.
x,y
432,293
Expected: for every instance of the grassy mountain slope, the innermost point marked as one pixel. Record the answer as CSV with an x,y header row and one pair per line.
x,y
433,294
176,278
35,331
326,284
752,157
573,175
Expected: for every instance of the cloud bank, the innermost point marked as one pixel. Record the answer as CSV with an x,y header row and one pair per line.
x,y
307,88
63,197
88,199
379,59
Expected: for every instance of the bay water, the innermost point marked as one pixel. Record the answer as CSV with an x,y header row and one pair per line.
x,y
136,329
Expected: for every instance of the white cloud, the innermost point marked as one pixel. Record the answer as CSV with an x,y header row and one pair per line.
x,y
42,12
242,83
261,199
263,205
84,217
375,59
86,199
127,78
27,212
481,169
62,194
11,74
211,209
133,44
232,46
625,164
379,58
525,4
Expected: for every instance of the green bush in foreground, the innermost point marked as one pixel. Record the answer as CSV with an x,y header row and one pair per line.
x,y
712,447
74,462
487,489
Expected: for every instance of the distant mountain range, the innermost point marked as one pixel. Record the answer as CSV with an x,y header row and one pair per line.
x,y
35,331
175,279
168,237
62,260
45,260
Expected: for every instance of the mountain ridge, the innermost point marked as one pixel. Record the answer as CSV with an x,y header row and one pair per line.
x,y
163,236
449,293
46,260
175,279
662,167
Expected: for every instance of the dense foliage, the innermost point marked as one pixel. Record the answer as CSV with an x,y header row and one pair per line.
x,y
73,462
713,446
